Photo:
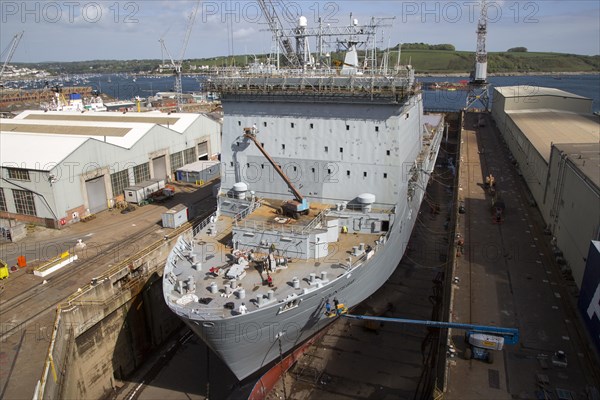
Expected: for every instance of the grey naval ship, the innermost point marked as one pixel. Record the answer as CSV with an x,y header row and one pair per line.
x,y
323,172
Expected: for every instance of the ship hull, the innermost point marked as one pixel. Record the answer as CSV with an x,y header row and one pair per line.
x,y
247,343
377,140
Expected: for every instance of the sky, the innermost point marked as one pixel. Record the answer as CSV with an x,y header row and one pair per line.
x,y
76,30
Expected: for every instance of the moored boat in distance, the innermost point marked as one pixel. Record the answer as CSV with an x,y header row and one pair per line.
x,y
323,173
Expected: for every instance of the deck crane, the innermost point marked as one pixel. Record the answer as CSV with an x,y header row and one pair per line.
x,y
177,64
10,51
481,338
292,208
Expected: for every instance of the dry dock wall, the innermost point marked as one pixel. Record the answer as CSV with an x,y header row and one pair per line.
x,y
106,330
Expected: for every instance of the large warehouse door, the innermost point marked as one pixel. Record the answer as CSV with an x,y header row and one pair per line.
x,y
203,151
96,193
159,164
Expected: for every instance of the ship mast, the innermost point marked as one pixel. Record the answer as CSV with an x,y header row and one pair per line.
x,y
478,85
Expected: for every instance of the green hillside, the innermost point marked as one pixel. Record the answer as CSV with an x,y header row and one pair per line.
x,y
424,61
444,61
437,61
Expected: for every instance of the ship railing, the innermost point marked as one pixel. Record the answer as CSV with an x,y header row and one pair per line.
x,y
376,208
317,82
211,218
265,226
247,211
313,224
200,313
237,72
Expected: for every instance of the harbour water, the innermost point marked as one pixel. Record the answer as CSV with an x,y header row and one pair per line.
x,y
127,87
124,87
582,85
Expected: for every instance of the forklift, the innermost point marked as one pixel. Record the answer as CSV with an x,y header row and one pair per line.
x,y
481,340
291,208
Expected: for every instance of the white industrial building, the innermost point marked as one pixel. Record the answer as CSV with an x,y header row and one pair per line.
x,y
58,167
555,141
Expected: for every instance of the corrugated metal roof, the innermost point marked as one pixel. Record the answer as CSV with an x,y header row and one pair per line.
x,y
546,127
529,91
105,117
198,166
178,122
34,139
65,130
41,153
586,156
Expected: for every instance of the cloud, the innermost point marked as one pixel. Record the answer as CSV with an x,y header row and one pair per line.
x,y
131,29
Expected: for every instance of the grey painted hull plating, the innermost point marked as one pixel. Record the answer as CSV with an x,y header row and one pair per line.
x,y
249,342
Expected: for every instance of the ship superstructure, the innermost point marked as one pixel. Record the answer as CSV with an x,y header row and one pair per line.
x,y
354,144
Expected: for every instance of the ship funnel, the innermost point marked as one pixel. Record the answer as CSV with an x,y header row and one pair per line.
x,y
239,190
366,200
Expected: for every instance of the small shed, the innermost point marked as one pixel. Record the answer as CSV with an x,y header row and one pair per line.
x,y
140,192
199,172
175,217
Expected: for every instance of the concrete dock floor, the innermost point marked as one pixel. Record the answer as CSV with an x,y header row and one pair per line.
x,y
506,276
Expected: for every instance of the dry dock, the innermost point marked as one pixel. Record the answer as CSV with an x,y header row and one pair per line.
x,y
504,275
507,277
352,361
28,303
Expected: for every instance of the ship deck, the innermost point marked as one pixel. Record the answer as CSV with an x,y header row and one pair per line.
x,y
212,262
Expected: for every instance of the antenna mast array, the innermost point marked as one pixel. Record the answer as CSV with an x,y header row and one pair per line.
x,y
280,43
478,86
300,57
